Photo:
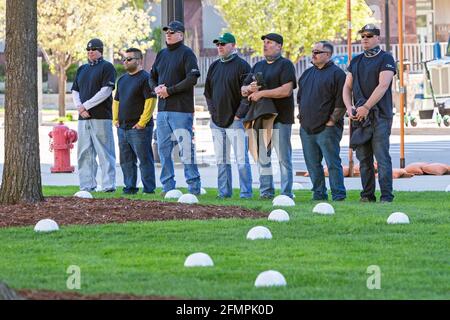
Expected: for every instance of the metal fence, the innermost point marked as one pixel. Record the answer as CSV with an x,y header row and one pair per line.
x,y
413,52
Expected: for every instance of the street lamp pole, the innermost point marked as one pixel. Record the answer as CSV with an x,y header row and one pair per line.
x,y
172,10
349,52
402,85
387,27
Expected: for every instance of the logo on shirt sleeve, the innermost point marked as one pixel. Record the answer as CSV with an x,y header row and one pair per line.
x,y
195,72
390,66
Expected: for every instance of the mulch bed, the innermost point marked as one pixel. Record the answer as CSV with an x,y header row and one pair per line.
x,y
72,210
77,211
55,295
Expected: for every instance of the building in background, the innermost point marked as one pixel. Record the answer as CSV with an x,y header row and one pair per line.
x,y
202,22
424,21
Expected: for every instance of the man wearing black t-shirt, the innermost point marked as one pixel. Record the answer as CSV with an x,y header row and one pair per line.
x,y
223,96
133,107
280,81
367,96
321,117
92,95
173,77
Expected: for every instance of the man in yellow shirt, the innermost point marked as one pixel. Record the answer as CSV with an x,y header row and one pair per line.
x,y
133,107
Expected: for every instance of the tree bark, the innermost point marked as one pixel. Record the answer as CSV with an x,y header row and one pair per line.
x,y
21,181
62,78
8,294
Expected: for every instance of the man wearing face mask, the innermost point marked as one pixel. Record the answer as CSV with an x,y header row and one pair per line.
x,y
92,95
133,107
173,77
368,98
223,96
280,81
321,114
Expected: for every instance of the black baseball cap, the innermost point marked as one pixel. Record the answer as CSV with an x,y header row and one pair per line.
x,y
174,26
274,37
95,43
370,28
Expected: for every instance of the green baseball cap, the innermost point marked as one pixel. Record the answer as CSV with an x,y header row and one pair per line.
x,y
225,38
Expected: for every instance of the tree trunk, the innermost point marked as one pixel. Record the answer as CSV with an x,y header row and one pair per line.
x,y
21,181
6,293
62,78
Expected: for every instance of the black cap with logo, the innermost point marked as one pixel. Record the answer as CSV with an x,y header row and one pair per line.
x,y
174,26
95,44
370,28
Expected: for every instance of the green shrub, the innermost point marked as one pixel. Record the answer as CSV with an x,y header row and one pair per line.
x,y
45,71
2,73
157,37
72,72
67,118
120,69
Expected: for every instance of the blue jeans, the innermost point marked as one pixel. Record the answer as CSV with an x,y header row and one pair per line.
x,y
222,138
324,144
136,145
281,142
177,126
95,138
378,146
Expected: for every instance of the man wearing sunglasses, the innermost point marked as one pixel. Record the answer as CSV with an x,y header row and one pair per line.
x,y
368,98
321,114
223,96
133,107
92,95
280,81
173,77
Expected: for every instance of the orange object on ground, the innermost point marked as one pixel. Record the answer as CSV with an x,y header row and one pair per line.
x,y
346,170
415,168
398,173
437,169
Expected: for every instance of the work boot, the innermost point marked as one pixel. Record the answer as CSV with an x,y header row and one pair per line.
x,y
367,199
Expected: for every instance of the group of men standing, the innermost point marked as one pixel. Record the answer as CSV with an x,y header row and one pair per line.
x,y
232,88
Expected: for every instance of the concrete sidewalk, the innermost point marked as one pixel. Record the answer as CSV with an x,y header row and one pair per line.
x,y
208,170
209,179
202,118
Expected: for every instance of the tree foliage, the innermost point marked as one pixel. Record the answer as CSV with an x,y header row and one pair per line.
x,y
300,22
65,27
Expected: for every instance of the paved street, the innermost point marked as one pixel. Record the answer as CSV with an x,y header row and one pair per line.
x,y
417,151
428,148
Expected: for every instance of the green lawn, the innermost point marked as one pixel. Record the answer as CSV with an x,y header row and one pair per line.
x,y
321,257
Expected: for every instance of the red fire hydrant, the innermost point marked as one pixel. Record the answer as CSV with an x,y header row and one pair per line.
x,y
63,139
